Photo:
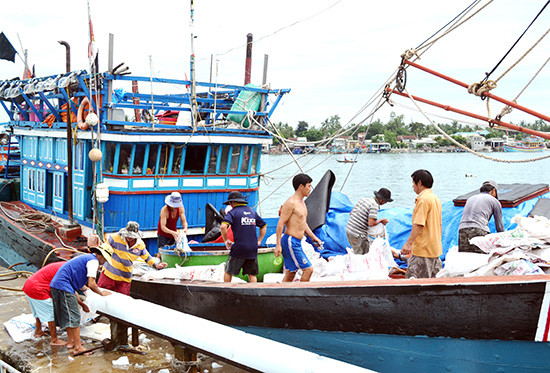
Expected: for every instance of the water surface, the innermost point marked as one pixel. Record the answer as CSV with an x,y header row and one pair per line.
x,y
393,171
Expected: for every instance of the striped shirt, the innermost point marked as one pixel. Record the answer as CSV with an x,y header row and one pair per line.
x,y
358,223
123,257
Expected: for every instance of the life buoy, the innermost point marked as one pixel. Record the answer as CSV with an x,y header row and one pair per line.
x,y
84,106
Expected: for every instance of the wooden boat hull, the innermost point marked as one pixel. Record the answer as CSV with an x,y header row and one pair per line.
x,y
210,254
29,243
475,309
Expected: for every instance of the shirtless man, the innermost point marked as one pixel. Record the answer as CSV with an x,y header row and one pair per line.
x,y
293,217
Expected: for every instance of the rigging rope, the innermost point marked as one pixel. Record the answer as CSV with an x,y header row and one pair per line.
x,y
465,147
283,28
508,109
454,27
517,41
458,16
525,54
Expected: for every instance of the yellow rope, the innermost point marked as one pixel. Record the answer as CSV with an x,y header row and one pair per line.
x,y
19,274
56,249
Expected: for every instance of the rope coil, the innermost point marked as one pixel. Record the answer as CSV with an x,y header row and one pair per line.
x,y
479,89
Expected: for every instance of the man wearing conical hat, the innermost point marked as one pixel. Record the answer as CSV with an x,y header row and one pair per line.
x,y
127,247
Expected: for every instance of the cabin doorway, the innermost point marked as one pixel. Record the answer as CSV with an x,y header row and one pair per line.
x,y
49,191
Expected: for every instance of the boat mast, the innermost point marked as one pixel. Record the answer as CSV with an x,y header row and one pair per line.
x,y
67,55
192,62
69,160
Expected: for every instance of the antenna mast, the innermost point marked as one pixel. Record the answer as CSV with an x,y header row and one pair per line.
x,y
192,61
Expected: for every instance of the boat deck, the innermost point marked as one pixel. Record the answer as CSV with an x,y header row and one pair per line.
x,y
450,281
25,223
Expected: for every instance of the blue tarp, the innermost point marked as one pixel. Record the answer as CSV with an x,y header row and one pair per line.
x,y
333,233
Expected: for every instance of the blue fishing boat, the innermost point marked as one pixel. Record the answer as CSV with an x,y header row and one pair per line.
x,y
530,144
98,154
9,166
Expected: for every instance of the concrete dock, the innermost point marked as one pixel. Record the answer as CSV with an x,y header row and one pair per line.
x,y
37,355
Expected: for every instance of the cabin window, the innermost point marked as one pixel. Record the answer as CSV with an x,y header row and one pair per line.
x,y
212,162
164,159
40,182
235,157
224,159
139,156
79,156
195,158
246,159
176,162
46,153
30,145
30,182
61,151
124,159
110,149
152,160
58,182
255,157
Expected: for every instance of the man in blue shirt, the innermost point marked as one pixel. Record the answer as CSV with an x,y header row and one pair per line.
x,y
244,251
73,276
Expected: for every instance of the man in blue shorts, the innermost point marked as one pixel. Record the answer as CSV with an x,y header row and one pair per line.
x,y
244,252
72,276
292,218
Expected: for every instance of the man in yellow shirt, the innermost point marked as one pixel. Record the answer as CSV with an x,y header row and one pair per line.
x,y
424,242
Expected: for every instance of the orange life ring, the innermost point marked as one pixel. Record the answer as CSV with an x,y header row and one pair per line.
x,y
84,106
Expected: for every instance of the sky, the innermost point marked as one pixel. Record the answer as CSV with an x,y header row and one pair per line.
x,y
332,54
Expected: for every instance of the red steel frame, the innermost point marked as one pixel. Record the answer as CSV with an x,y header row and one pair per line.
x,y
487,94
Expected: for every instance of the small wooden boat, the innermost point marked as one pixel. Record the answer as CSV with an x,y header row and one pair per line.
x,y
216,253
346,161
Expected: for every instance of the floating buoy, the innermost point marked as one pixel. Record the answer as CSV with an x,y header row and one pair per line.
x,y
92,119
95,155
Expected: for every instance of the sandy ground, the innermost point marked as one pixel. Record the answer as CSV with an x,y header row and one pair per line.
x,y
37,355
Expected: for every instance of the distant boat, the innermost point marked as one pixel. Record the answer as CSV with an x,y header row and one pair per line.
x,y
379,147
528,145
346,160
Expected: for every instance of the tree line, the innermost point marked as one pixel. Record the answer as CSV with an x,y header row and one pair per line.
x,y
396,126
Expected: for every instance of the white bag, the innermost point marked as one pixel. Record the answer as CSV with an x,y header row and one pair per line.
x,y
181,244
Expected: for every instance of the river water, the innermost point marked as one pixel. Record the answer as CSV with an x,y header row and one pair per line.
x,y
393,171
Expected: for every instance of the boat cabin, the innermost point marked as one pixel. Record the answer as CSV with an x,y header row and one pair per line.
x,y
203,145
